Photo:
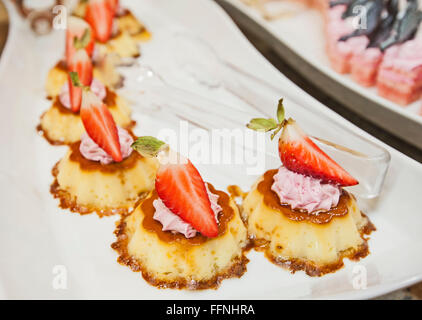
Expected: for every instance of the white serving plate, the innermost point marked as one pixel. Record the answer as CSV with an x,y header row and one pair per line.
x,y
301,30
38,240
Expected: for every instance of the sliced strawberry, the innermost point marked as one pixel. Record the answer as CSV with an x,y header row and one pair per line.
x,y
100,125
81,64
113,5
77,27
100,17
300,154
183,191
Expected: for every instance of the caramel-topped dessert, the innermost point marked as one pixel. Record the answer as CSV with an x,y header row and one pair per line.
x,y
86,186
299,214
124,37
272,201
155,226
104,70
59,125
170,260
56,78
113,31
100,173
185,233
298,240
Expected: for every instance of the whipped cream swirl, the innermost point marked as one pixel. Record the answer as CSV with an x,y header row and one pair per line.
x,y
303,192
96,86
92,151
172,222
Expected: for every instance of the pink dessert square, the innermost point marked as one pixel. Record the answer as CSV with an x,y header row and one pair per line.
x,y
350,56
364,66
338,52
400,74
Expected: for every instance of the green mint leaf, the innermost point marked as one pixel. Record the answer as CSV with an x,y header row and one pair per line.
x,y
261,124
82,42
280,111
148,146
74,77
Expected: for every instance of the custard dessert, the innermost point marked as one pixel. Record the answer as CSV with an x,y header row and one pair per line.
x,y
105,47
116,28
59,125
85,186
185,233
100,173
299,214
104,70
299,240
56,78
78,36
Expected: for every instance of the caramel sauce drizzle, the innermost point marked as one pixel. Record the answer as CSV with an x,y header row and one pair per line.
x,y
167,236
271,200
89,165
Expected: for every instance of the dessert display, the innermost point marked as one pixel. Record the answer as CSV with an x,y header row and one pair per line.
x,y
299,214
103,33
185,233
61,123
116,33
100,173
174,228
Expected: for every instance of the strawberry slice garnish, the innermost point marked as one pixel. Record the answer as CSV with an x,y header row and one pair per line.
x,y
100,17
82,65
78,35
299,153
113,5
98,121
183,191
100,125
181,188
